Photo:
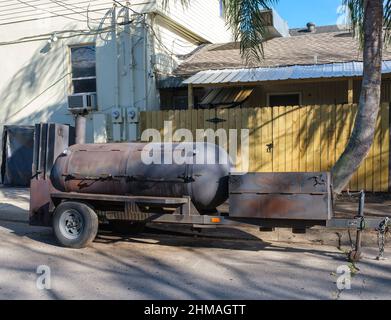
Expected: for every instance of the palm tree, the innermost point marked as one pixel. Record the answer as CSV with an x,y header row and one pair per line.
x,y
367,20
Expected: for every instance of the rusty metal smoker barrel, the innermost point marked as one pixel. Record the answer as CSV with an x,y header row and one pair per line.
x,y
119,169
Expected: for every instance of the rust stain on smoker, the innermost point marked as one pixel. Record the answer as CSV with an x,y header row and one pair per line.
x,y
296,196
118,169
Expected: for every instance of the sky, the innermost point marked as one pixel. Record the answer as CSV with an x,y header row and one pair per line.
x,y
299,12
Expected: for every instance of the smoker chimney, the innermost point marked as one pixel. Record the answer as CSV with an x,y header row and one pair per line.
x,y
311,27
80,128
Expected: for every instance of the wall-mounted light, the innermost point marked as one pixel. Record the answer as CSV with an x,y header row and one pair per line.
x,y
53,38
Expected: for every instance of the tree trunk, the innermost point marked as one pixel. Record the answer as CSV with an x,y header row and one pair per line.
x,y
363,133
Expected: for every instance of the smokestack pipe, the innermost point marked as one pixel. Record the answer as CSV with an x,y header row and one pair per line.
x,y
80,124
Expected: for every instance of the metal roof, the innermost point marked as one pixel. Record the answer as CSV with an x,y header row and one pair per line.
x,y
296,72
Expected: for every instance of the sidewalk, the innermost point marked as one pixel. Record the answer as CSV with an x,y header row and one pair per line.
x,y
14,204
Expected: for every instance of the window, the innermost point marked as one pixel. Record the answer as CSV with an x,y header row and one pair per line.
x,y
83,69
283,99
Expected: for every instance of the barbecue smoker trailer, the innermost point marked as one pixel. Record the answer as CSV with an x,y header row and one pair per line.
x,y
110,183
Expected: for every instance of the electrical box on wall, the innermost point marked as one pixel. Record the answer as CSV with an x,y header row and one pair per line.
x,y
117,120
132,115
116,115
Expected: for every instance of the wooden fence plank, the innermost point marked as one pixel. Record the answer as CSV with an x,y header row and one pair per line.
x,y
385,152
377,155
244,156
296,139
323,138
333,135
276,139
288,139
354,181
310,139
303,139
317,138
267,140
258,140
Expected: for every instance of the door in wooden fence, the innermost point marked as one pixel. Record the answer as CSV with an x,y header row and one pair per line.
x,y
290,139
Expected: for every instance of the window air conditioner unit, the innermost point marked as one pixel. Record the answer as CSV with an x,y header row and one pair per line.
x,y
82,102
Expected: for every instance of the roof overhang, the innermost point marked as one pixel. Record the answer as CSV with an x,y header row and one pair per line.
x,y
296,72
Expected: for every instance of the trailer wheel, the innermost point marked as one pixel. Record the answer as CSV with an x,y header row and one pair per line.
x,y
75,224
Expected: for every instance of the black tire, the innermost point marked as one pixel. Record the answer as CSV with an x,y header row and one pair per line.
x,y
75,224
127,227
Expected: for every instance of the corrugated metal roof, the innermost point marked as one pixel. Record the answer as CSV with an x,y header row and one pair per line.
x,y
296,72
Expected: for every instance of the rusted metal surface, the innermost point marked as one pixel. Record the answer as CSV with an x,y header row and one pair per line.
x,y
292,196
40,202
114,198
280,183
50,140
118,169
114,179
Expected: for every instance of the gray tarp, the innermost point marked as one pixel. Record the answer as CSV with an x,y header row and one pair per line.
x,y
16,165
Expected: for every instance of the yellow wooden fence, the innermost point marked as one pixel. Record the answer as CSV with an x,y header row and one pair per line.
x,y
289,139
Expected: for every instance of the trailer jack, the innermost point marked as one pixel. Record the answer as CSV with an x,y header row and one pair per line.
x,y
362,223
356,253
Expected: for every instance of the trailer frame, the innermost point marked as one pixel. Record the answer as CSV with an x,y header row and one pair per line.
x,y
184,213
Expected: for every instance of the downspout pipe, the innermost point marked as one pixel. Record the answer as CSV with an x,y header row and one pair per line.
x,y
114,38
146,68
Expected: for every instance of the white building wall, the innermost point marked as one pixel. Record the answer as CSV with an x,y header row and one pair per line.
x,y
76,11
35,78
170,46
202,17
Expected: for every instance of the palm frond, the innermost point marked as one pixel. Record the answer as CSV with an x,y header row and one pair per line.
x,y
184,3
246,20
356,17
387,22
356,14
